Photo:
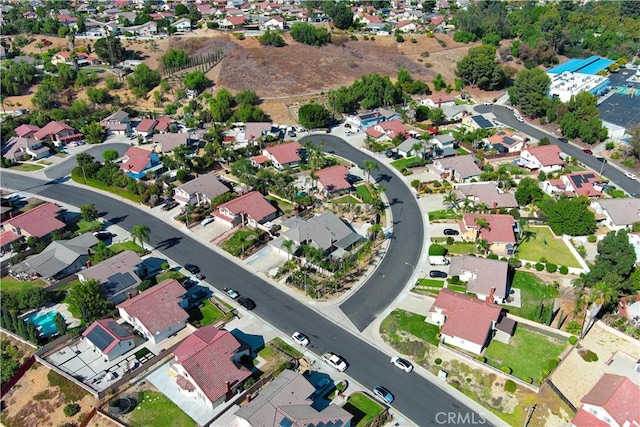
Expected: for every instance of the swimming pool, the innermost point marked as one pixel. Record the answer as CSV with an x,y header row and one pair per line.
x,y
45,322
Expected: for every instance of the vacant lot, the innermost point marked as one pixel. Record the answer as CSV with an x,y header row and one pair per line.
x,y
540,243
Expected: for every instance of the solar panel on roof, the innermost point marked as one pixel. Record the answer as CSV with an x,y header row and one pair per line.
x,y
577,180
118,282
508,140
100,338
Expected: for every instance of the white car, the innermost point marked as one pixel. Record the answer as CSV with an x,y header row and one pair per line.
x,y
631,175
300,339
335,361
510,107
487,103
401,363
206,221
520,119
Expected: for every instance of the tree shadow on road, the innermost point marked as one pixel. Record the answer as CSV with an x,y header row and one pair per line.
x,y
168,243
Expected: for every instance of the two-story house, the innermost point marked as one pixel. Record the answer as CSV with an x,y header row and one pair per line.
x,y
618,213
613,401
118,123
18,149
137,162
182,25
250,209
545,158
109,339
506,141
59,133
365,120
201,190
283,155
386,130
145,127
499,231
38,222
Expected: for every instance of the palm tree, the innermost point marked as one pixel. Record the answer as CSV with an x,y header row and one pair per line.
x,y
368,166
288,245
467,205
451,199
482,208
40,45
417,148
375,229
483,245
140,232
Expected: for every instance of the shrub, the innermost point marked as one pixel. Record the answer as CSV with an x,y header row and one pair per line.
x,y
438,361
551,268
563,269
506,370
592,238
399,38
165,266
551,365
449,240
437,250
514,263
589,356
510,386
539,267
493,256
545,373
239,36
528,380
71,409
414,40
481,359
610,146
573,340
574,327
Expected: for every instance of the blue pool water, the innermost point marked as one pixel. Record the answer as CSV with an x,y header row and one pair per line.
x,y
44,321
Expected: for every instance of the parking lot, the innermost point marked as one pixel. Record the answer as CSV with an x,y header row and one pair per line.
x,y
622,105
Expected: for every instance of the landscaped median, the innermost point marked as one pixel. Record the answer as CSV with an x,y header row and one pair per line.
x,y
76,175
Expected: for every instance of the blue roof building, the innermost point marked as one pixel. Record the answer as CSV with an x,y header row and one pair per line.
x,y
591,65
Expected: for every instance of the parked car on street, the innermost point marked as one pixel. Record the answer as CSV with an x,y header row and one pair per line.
x,y
247,303
401,363
631,175
589,152
231,293
192,268
383,393
300,339
335,361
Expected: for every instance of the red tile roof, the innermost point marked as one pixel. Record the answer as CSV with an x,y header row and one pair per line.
x,y
259,159
466,317
393,128
158,307
7,237
403,23
137,160
547,155
437,20
373,19
587,419
111,327
236,20
285,153
26,130
52,128
207,356
619,396
251,204
500,227
146,125
163,123
37,222
582,183
334,178
373,132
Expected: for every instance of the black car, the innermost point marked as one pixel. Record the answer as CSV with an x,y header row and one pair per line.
x,y
389,153
437,274
193,269
247,303
103,235
189,283
450,232
197,295
169,205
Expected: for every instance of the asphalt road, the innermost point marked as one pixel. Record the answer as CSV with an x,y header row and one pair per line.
x,y
392,274
416,397
614,175
64,168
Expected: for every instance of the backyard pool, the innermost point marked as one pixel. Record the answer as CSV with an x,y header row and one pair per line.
x,y
45,322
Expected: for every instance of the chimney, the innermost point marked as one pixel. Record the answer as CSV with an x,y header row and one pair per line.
x,y
129,296
248,398
229,393
491,294
89,252
88,263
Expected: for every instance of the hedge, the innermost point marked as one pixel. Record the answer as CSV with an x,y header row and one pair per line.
x,y
563,269
551,268
539,267
573,339
506,369
437,250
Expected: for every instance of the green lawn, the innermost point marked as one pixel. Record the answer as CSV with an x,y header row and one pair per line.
x,y
205,314
528,353
443,214
241,241
462,151
532,292
11,284
431,283
400,320
404,162
170,274
461,248
363,409
346,199
89,225
284,206
574,168
77,176
541,243
457,288
512,169
126,246
362,191
155,409
27,167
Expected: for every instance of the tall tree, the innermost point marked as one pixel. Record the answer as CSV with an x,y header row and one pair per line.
x,y
140,232
479,68
615,261
87,298
341,14
529,92
109,49
369,166
89,212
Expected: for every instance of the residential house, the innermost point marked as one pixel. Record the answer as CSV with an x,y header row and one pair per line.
x,y
26,130
487,278
109,338
275,23
67,20
499,232
250,209
58,260
476,122
488,194
444,145
170,141
372,118
59,133
232,22
64,57
545,158
201,190
119,276
506,141
146,127
332,181
406,147
618,213
454,113
439,101
585,183
137,162
613,401
390,128
326,232
283,155
17,149
406,26
469,323
117,123
288,400
38,222
30,14
207,366
164,124
457,168
147,29
182,25
158,312
256,130
369,19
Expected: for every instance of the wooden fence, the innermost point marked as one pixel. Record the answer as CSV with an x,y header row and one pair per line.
x,y
16,377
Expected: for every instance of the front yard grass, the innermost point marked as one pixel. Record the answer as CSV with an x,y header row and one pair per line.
x,y
430,283
363,408
443,214
541,243
527,354
127,246
461,248
363,192
170,274
403,163
532,292
346,199
241,241
401,321
274,362
155,409
89,225
12,284
205,314
27,167
457,288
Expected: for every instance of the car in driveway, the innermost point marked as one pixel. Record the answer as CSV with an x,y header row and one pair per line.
x,y
206,221
103,235
300,338
383,394
437,274
197,296
630,175
389,153
401,363
192,268
450,232
231,293
189,283
336,362
589,152
247,303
